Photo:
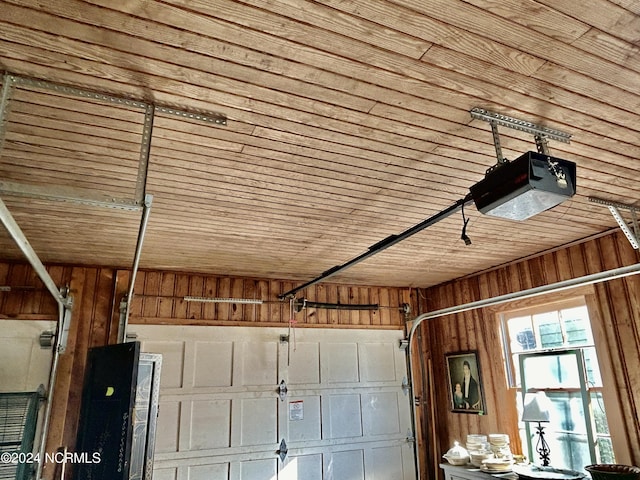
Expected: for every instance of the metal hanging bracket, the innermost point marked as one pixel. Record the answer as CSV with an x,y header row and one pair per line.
x,y
541,134
46,339
521,125
614,208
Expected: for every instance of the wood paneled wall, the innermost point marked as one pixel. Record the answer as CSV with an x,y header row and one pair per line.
x,y
614,308
27,297
159,298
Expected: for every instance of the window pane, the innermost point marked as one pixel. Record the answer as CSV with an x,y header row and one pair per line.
x,y
551,371
577,326
548,324
521,336
568,412
569,450
594,379
605,448
567,431
599,416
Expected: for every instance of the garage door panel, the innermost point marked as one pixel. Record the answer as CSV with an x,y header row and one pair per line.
x,y
172,361
165,474
213,362
255,421
11,371
210,425
304,364
339,363
342,416
168,427
307,467
259,470
24,365
305,418
384,463
207,472
377,362
345,465
380,413
257,363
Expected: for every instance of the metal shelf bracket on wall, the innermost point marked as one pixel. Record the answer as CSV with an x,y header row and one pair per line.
x,y
614,208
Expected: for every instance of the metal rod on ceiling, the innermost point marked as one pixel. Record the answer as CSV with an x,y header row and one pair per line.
x,y
23,244
383,244
299,304
124,320
531,292
65,304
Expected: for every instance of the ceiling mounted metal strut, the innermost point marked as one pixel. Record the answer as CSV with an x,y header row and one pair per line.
x,y
82,195
614,208
382,245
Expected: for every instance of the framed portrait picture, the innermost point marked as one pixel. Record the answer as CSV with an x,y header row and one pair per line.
x,y
465,384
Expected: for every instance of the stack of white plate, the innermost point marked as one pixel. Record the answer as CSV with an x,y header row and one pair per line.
x,y
499,443
496,465
476,442
479,449
477,457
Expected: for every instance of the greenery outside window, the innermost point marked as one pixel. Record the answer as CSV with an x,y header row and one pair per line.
x,y
552,347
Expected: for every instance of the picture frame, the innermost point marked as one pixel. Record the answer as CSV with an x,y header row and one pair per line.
x,y
465,399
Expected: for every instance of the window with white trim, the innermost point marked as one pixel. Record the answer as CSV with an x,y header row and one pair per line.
x,y
578,436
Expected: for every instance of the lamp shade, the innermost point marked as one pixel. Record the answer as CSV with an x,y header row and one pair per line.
x,y
537,407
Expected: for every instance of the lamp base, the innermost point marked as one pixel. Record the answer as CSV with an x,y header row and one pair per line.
x,y
542,447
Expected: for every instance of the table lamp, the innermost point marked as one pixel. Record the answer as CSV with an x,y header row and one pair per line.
x,y
536,409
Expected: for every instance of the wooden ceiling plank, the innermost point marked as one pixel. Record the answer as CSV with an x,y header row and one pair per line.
x,y
610,47
540,18
355,48
580,106
484,23
602,14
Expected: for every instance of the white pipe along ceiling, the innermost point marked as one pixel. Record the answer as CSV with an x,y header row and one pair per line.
x,y
531,292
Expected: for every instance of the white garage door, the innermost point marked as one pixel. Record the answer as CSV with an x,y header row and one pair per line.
x,y
24,365
345,415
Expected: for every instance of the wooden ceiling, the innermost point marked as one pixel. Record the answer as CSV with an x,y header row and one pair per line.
x,y
346,122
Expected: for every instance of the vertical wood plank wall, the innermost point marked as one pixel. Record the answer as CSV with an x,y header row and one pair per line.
x,y
614,308
92,292
158,299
